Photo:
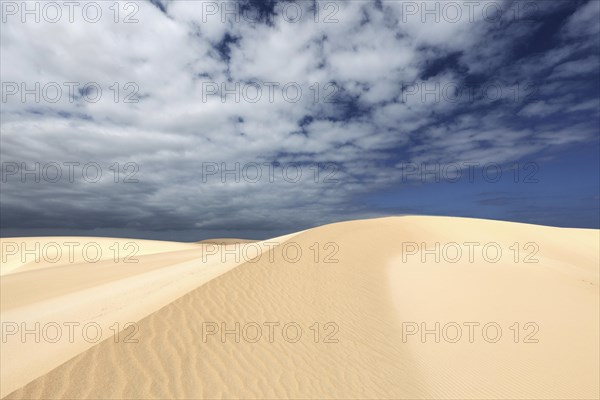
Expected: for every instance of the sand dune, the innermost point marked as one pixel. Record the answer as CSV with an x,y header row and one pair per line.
x,y
72,304
361,294
226,241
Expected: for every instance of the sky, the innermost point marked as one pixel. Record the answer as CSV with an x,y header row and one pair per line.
x,y
185,120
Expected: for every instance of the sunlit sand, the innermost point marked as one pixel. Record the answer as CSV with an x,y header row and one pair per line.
x,y
365,297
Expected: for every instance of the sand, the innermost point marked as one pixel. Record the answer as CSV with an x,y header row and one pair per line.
x,y
73,305
359,293
226,241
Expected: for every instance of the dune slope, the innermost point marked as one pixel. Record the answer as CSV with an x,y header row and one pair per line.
x,y
361,294
55,305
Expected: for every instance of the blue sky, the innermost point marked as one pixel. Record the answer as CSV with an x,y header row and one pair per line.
x,y
558,191
371,89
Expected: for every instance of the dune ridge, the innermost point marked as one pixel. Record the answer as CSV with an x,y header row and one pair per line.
x,y
362,282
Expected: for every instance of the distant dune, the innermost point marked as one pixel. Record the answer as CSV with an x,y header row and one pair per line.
x,y
399,307
226,241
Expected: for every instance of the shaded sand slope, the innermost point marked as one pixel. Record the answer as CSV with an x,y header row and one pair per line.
x,y
67,305
370,294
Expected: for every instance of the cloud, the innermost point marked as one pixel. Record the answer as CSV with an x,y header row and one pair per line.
x,y
588,65
585,21
363,104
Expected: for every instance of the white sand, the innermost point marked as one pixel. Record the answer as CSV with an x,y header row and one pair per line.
x,y
378,288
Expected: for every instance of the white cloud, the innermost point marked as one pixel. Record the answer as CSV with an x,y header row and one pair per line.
x,y
369,53
576,68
